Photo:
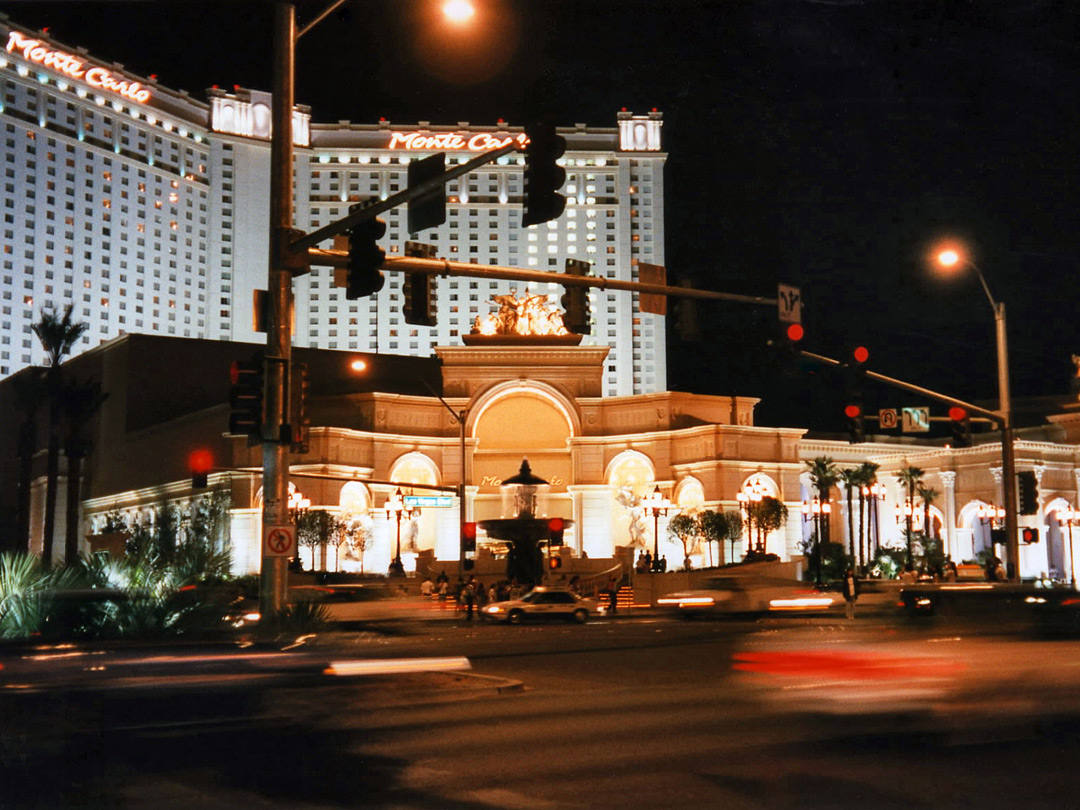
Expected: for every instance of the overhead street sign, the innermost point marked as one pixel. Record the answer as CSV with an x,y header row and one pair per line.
x,y
788,303
916,420
652,274
418,501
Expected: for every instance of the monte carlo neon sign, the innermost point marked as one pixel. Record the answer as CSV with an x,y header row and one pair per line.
x,y
71,65
453,141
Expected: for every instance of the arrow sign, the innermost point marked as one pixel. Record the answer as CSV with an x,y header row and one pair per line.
x,y
788,304
915,420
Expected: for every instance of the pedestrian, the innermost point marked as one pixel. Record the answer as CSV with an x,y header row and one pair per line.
x,y
999,571
427,588
851,592
613,596
468,597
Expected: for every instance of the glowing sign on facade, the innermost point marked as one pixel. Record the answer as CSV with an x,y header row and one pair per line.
x,y
454,141
71,65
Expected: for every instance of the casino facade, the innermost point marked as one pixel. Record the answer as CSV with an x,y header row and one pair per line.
x,y
147,209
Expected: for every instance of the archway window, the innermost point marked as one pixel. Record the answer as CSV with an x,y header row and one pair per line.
x,y
415,468
354,499
690,495
632,470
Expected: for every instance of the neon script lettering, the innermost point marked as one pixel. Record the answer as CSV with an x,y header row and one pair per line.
x,y
453,141
71,65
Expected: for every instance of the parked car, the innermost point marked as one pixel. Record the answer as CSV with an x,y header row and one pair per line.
x,y
734,595
542,603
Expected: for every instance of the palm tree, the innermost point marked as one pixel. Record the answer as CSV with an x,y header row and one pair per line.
x,y
850,477
58,335
79,402
823,476
867,477
29,387
928,495
911,477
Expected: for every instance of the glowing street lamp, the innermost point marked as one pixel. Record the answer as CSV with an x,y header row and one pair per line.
x,y
818,511
657,504
458,11
953,257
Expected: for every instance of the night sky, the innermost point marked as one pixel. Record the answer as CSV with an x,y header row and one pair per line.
x,y
823,144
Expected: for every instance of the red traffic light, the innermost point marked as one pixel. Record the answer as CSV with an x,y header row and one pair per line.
x,y
853,411
861,354
795,332
200,461
555,524
468,531
958,414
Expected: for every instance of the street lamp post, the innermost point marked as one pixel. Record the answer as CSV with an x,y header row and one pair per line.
x,y
1067,517
816,510
658,505
395,508
950,258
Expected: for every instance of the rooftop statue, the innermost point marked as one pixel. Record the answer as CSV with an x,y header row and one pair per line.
x,y
529,315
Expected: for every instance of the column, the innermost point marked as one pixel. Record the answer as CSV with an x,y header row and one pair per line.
x,y
1046,563
948,480
593,518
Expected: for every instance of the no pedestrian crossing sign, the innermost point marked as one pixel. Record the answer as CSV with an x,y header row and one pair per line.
x,y
279,541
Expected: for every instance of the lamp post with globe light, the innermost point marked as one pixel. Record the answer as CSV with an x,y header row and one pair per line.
x,y
656,504
954,257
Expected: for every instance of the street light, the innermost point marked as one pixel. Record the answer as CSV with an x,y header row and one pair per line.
x,y
751,495
1067,517
816,510
950,257
396,508
658,505
874,493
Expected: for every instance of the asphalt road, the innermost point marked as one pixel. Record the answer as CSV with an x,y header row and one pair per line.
x,y
645,713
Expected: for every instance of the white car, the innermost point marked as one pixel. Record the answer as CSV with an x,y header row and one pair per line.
x,y
745,595
542,603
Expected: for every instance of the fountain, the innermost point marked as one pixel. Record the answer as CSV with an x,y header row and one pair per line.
x,y
523,533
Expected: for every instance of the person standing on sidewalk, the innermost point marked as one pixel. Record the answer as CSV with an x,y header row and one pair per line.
x,y
613,596
851,592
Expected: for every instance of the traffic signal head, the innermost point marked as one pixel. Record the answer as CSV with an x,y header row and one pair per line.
x,y
246,396
1029,534
856,428
543,177
575,301
468,537
428,209
960,424
363,275
554,563
555,531
200,461
1029,492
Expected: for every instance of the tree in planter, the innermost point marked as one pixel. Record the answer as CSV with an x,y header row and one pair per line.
x,y
717,527
823,476
769,515
686,528
317,529
58,335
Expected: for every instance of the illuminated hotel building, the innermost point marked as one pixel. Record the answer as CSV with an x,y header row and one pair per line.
x,y
148,210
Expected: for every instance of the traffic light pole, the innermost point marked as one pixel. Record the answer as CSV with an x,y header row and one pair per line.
x,y
1002,417
273,584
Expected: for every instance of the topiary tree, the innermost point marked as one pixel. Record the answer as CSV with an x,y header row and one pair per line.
x,y
768,515
718,527
686,529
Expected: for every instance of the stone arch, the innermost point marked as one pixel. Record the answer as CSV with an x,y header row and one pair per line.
x,y
764,482
1059,540
630,468
354,498
528,388
689,495
414,468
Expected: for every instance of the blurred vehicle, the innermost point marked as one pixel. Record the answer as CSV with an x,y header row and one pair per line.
x,y
542,603
741,595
